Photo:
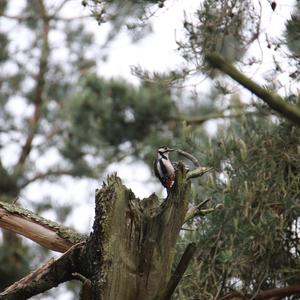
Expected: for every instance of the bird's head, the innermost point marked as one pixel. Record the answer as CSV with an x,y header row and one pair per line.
x,y
164,151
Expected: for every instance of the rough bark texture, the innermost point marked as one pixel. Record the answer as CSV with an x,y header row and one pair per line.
x,y
130,252
132,246
47,233
49,275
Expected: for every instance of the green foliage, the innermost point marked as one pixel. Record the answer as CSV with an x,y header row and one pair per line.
x,y
293,33
112,111
227,27
252,242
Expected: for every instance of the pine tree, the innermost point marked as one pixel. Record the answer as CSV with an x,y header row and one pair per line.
x,y
245,241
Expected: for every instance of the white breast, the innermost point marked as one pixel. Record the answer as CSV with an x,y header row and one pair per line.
x,y
169,166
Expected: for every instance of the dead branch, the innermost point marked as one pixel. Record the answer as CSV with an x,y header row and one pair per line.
x,y
198,172
189,156
49,275
179,271
195,211
42,231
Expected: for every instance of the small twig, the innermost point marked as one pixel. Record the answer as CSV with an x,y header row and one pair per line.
x,y
189,156
195,211
187,229
198,172
179,271
86,290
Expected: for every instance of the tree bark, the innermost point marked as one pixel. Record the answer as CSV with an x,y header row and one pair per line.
x,y
47,233
131,250
287,110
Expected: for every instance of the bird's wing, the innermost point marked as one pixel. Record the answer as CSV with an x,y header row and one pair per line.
x,y
156,171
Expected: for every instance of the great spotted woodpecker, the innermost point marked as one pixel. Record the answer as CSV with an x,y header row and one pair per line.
x,y
163,167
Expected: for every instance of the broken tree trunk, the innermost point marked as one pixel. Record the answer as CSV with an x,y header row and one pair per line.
x,y
131,249
128,255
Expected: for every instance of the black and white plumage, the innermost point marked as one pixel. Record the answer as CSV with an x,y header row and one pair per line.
x,y
163,167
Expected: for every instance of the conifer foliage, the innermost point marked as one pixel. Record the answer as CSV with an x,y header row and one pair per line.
x,y
236,235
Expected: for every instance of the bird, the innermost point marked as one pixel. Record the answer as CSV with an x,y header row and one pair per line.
x,y
163,167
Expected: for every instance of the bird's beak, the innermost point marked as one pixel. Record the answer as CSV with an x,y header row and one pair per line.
x,y
170,149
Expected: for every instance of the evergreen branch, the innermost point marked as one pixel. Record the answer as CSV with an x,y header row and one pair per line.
x,y
276,293
289,111
179,271
48,234
198,120
189,156
47,276
39,90
198,172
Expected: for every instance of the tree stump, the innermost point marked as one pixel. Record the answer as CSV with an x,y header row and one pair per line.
x,y
130,253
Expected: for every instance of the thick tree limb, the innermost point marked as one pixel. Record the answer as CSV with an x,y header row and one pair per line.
x,y
198,172
42,231
289,111
178,273
49,275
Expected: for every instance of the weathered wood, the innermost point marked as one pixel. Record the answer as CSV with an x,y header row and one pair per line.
x,y
47,233
130,252
178,273
134,256
49,275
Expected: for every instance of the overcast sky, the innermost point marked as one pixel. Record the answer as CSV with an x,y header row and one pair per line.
x,y
156,52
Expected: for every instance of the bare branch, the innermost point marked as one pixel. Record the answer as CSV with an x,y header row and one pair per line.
x,y
179,271
198,120
189,156
289,111
49,173
195,211
46,276
44,232
198,172
39,90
